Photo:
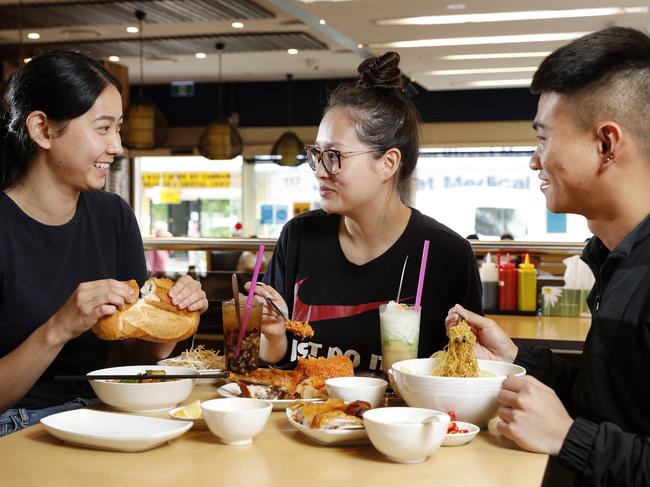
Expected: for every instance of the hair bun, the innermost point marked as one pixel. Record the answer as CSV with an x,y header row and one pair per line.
x,y
381,72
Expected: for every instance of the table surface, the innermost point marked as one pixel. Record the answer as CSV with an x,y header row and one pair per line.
x,y
279,456
562,333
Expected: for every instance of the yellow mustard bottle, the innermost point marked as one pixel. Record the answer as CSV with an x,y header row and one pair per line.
x,y
527,290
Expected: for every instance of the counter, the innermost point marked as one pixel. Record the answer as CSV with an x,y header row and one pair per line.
x,y
560,333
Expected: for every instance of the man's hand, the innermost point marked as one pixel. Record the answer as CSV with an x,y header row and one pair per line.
x,y
492,343
533,415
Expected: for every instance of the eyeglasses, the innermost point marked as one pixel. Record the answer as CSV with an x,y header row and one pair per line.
x,y
330,158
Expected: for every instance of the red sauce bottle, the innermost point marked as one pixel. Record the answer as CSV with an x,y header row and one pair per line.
x,y
507,284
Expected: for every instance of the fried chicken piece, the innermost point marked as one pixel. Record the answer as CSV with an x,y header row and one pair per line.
x,y
300,328
285,380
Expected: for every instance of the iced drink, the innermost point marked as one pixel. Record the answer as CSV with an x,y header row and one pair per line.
x,y
400,330
249,352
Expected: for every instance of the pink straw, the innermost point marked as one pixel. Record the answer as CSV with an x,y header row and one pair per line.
x,y
249,300
423,269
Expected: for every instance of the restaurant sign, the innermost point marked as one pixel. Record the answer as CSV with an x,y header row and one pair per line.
x,y
187,179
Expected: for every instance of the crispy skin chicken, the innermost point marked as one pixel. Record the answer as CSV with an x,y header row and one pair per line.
x,y
300,328
306,381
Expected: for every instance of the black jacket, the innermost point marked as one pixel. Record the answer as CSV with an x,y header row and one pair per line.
x,y
608,395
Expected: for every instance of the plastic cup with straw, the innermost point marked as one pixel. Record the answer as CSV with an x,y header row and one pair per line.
x,y
249,300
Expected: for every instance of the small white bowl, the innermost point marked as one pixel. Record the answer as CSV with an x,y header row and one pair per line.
x,y
369,389
401,434
236,420
458,439
142,397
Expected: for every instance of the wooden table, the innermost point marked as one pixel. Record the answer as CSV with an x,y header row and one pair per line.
x,y
280,456
559,333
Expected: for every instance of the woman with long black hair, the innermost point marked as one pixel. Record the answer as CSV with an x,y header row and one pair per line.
x,y
65,245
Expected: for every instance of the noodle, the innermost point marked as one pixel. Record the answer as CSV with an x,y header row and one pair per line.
x,y
459,359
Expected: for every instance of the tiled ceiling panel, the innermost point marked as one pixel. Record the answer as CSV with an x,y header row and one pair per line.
x,y
98,12
161,47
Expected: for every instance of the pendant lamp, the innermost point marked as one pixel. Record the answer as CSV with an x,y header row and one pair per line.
x,y
220,139
145,127
289,146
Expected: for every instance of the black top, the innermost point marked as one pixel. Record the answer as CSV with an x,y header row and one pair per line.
x,y
40,267
341,299
609,394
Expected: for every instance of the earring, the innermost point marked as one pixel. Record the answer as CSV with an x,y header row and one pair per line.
x,y
609,157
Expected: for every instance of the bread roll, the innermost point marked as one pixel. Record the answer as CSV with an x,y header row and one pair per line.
x,y
153,317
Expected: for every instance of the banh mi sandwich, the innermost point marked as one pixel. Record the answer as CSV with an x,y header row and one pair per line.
x,y
153,317
307,381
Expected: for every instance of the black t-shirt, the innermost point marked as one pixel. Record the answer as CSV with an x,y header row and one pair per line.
x,y
341,299
40,267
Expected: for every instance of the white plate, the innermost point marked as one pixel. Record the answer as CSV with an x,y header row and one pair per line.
x,y
113,431
458,439
331,437
232,390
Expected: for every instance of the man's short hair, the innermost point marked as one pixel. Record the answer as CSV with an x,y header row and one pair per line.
x,y
605,74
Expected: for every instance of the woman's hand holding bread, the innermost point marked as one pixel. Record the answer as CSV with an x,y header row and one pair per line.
x,y
87,304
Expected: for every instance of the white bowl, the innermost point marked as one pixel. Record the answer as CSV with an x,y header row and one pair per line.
x,y
458,439
142,397
236,420
474,399
369,389
401,435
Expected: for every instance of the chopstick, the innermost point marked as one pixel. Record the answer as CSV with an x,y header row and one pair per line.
x,y
268,300
217,375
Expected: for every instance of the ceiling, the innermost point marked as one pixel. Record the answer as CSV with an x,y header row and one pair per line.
x,y
175,30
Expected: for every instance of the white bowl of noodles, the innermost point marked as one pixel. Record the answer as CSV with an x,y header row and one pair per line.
x,y
474,399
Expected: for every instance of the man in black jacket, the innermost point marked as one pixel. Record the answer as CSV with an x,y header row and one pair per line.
x,y
593,159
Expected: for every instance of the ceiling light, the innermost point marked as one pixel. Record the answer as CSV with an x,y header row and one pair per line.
x,y
456,6
200,55
237,25
34,35
292,51
466,41
27,59
496,55
452,72
501,82
512,16
113,59
132,29
322,22
360,46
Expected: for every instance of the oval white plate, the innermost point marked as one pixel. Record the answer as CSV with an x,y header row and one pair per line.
x,y
458,439
113,431
331,437
232,390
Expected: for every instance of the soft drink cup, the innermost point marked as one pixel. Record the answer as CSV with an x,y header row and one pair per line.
x,y
400,332
249,352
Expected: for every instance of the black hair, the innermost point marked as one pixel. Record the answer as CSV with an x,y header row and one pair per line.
x,y
605,73
64,85
384,115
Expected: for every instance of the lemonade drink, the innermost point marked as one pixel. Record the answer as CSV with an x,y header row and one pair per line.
x,y
400,331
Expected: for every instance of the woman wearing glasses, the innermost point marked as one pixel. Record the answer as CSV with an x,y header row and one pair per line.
x,y
333,267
